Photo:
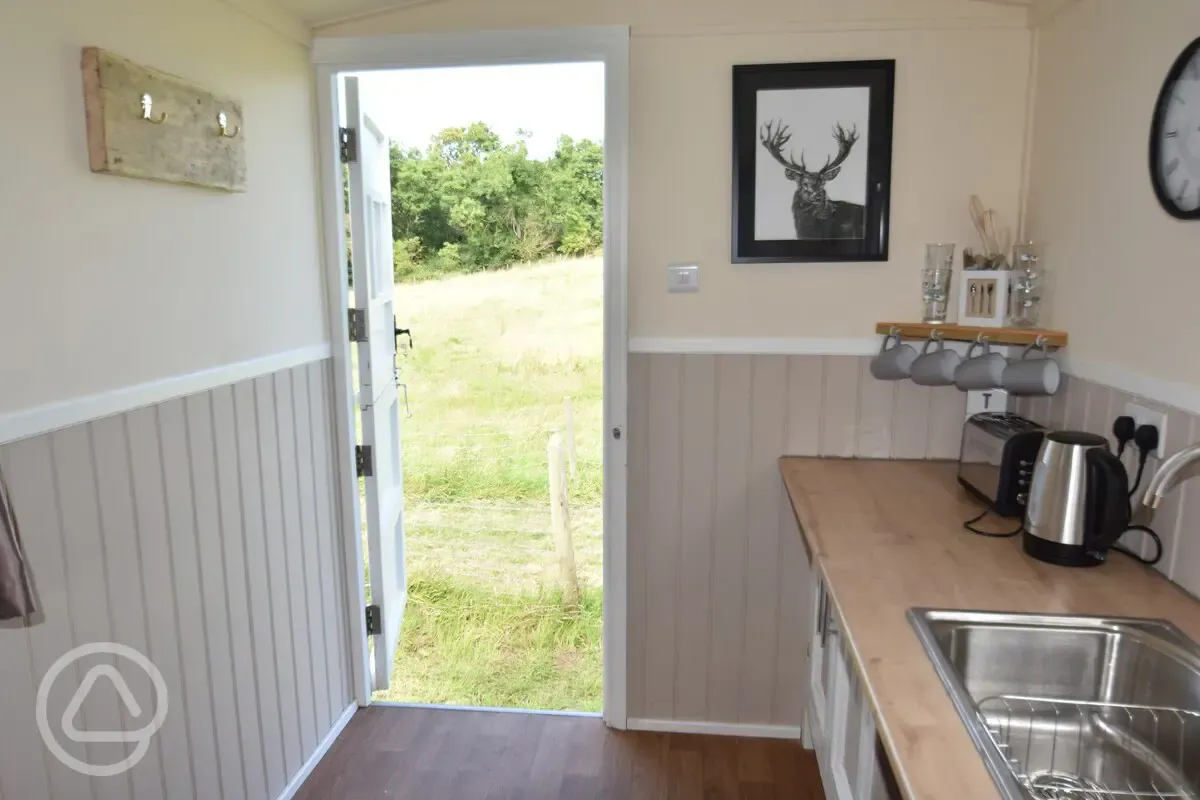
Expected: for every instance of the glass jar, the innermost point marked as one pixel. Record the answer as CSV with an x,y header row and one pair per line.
x,y
935,283
1029,279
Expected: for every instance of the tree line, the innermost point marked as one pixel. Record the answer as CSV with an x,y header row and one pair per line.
x,y
470,202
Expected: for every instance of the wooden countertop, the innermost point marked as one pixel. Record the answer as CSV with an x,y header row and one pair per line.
x,y
888,536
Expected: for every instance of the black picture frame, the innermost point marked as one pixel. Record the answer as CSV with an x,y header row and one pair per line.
x,y
748,80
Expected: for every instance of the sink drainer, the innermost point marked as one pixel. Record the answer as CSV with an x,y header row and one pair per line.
x,y
1061,786
1081,750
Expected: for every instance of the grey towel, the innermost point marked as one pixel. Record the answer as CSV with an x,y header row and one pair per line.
x,y
16,591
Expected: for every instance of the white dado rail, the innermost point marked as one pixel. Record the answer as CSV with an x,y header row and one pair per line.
x,y
752,346
1183,396
35,421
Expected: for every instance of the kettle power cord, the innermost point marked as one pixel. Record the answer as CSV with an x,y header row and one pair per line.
x,y
1149,562
1145,438
1124,430
1154,537
970,526
1146,529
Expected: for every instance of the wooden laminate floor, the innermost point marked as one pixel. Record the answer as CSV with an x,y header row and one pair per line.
x,y
437,754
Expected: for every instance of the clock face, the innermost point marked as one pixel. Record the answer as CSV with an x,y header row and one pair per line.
x,y
1175,140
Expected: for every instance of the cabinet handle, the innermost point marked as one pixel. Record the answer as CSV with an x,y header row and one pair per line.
x,y
825,632
821,612
830,627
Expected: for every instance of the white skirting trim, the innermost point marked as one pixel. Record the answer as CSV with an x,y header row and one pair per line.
x,y
52,416
1184,396
489,709
730,345
744,730
300,777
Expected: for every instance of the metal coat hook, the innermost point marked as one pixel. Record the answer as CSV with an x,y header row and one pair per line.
x,y
223,124
148,111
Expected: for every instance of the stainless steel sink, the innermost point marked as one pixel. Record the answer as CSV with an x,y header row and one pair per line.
x,y
1073,707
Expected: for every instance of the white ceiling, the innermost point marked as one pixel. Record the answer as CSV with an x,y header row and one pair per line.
x,y
324,12
319,12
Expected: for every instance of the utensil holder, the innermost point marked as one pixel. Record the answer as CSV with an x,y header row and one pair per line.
x,y
983,297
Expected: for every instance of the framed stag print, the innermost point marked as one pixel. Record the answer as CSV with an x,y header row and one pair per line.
x,y
812,161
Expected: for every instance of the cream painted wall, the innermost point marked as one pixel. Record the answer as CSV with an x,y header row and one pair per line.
x,y
962,78
108,282
1125,274
681,179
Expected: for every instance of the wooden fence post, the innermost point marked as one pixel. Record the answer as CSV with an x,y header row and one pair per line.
x,y
560,522
569,415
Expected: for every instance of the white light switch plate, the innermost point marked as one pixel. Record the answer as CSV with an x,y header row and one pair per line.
x,y
1149,416
683,278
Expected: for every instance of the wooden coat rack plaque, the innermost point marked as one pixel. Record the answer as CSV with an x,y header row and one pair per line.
x,y
146,124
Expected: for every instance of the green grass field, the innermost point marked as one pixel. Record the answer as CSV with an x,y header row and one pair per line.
x,y
495,355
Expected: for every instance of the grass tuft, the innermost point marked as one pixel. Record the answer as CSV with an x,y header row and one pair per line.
x,y
467,644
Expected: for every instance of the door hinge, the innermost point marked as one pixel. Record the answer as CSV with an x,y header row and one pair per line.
x,y
358,324
374,621
362,461
348,141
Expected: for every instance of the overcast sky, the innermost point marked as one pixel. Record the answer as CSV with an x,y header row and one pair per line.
x,y
547,99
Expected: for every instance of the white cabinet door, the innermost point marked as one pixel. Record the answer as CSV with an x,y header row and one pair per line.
x,y
843,724
846,742
860,753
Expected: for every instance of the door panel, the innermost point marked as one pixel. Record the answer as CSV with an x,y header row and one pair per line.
x,y
839,693
378,401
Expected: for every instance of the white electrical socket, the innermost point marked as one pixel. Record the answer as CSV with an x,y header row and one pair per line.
x,y
1149,416
683,278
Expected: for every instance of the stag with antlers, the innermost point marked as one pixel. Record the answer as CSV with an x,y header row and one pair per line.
x,y
816,216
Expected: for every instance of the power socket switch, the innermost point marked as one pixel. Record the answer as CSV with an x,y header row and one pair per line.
x,y
1150,416
683,278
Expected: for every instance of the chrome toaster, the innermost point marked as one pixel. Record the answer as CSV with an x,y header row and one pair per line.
x,y
995,462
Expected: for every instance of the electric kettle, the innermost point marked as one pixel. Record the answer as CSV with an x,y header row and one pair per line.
x,y
1078,503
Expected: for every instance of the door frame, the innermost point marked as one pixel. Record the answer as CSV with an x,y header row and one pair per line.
x,y
610,45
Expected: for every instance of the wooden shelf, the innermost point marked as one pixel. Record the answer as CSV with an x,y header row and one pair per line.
x,y
968,333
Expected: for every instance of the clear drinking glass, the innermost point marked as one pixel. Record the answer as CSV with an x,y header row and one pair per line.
x,y
1029,278
935,282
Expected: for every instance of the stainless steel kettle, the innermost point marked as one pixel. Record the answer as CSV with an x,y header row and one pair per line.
x,y
1078,500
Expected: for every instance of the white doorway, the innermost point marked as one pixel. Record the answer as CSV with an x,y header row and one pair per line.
x,y
336,58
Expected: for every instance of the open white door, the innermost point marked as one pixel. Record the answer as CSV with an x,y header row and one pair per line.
x,y
378,401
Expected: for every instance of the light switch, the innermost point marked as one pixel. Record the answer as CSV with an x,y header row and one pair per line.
x,y
683,277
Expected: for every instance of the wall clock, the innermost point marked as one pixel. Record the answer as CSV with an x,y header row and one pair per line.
x,y
1175,138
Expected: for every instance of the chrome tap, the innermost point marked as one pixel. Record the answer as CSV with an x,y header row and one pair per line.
x,y
1168,475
